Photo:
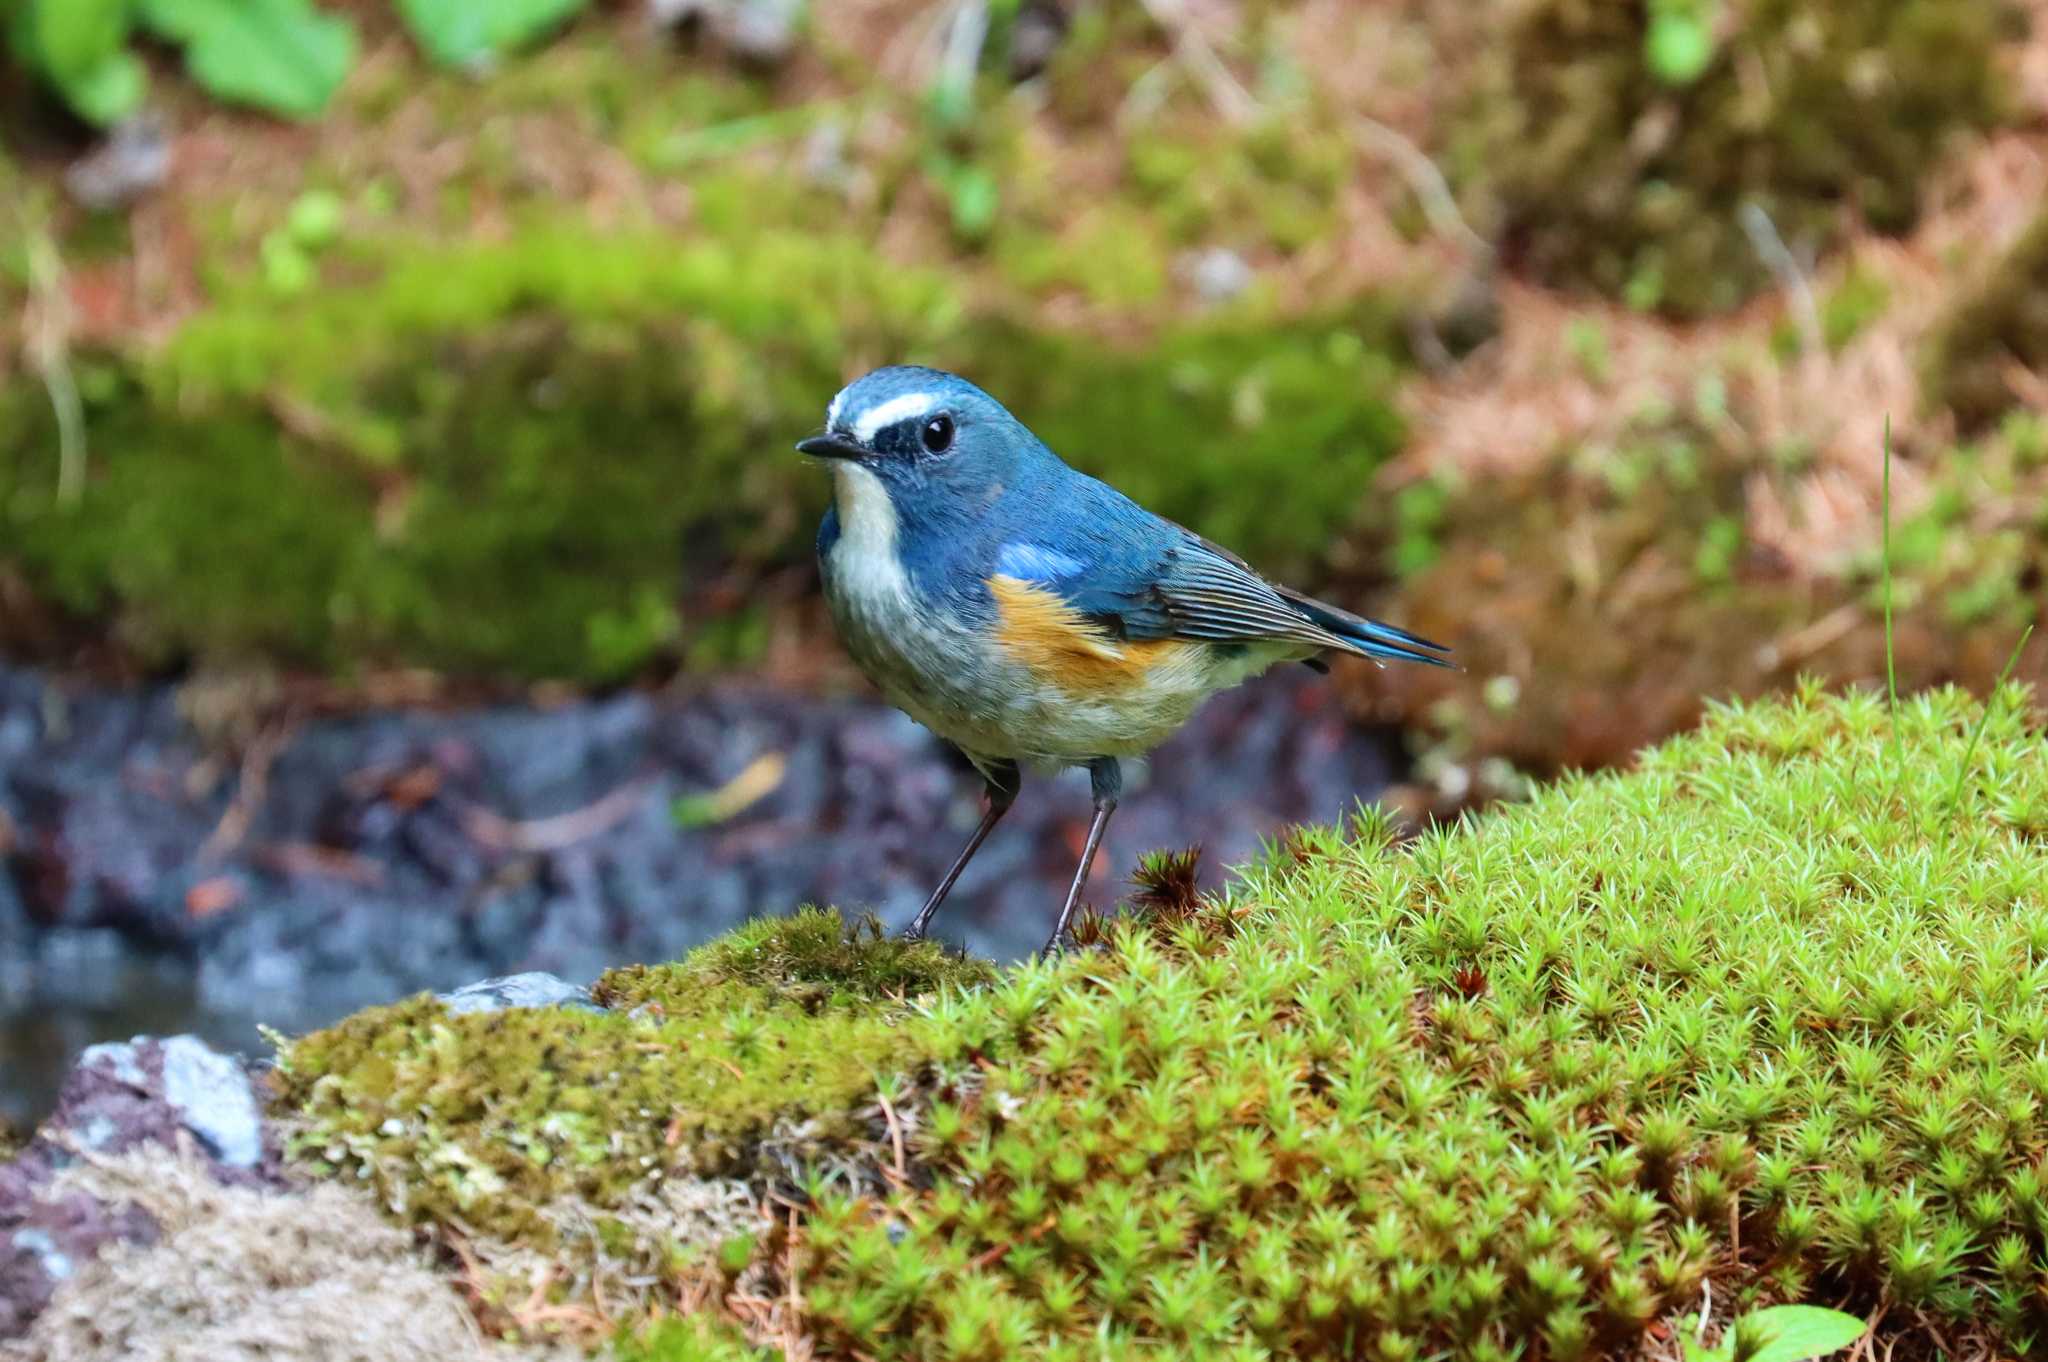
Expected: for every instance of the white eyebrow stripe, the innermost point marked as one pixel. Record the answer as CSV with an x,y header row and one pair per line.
x,y
832,412
900,408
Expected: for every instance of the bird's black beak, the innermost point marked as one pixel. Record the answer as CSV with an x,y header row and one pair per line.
x,y
829,446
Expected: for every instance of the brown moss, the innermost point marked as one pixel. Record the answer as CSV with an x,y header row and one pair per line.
x,y
1597,604
1608,177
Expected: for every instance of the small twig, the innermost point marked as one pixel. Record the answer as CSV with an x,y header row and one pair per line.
x,y
1225,91
1427,183
564,830
50,349
1804,643
895,1136
250,792
1891,669
1778,259
992,1255
1863,1344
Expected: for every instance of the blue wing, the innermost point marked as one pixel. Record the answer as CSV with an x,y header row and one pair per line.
x,y
1151,578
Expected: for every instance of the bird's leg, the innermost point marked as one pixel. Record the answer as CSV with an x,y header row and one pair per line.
x,y
1004,780
1106,778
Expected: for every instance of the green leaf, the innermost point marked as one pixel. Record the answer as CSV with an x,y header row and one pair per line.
x,y
1679,46
975,199
472,33
110,91
80,48
315,219
282,56
1799,1332
69,40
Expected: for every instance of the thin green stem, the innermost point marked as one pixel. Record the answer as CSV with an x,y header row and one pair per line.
x,y
1983,720
1891,669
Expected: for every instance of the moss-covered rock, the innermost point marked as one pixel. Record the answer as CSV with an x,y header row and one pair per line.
x,y
1619,166
486,1118
1525,1078
1994,330
538,458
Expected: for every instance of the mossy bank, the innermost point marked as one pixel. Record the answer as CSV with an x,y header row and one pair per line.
x,y
569,455
1766,1012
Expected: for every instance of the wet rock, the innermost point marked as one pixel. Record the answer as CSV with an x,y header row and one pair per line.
x,y
175,1094
532,989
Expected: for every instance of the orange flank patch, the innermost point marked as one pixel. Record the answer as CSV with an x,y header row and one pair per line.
x,y
1060,646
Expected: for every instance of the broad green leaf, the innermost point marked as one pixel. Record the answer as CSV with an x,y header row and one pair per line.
x,y
283,56
471,33
70,40
1796,1333
110,91
1800,1332
80,48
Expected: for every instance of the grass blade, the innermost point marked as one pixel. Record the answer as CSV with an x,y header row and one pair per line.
x,y
1955,800
1891,669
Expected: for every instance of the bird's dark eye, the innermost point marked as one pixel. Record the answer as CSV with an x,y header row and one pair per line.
x,y
938,433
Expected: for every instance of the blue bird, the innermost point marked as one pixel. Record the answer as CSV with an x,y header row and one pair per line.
x,y
1028,613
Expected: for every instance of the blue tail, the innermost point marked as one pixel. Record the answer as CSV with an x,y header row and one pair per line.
x,y
1369,638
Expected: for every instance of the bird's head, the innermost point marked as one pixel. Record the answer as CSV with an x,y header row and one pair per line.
x,y
931,438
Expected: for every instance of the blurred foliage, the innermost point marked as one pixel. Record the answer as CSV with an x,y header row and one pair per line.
x,y
1620,140
283,56
526,459
1992,332
1630,570
472,33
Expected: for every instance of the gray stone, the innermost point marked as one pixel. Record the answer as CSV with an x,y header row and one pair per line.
x,y
212,1095
532,989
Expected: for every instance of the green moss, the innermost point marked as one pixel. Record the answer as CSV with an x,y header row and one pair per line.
x,y
814,957
532,459
694,1339
1991,331
1609,176
1302,412
486,1119
1526,1076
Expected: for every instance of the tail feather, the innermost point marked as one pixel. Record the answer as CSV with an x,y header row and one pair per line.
x,y
1369,638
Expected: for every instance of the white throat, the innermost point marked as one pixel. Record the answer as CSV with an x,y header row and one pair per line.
x,y
865,557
